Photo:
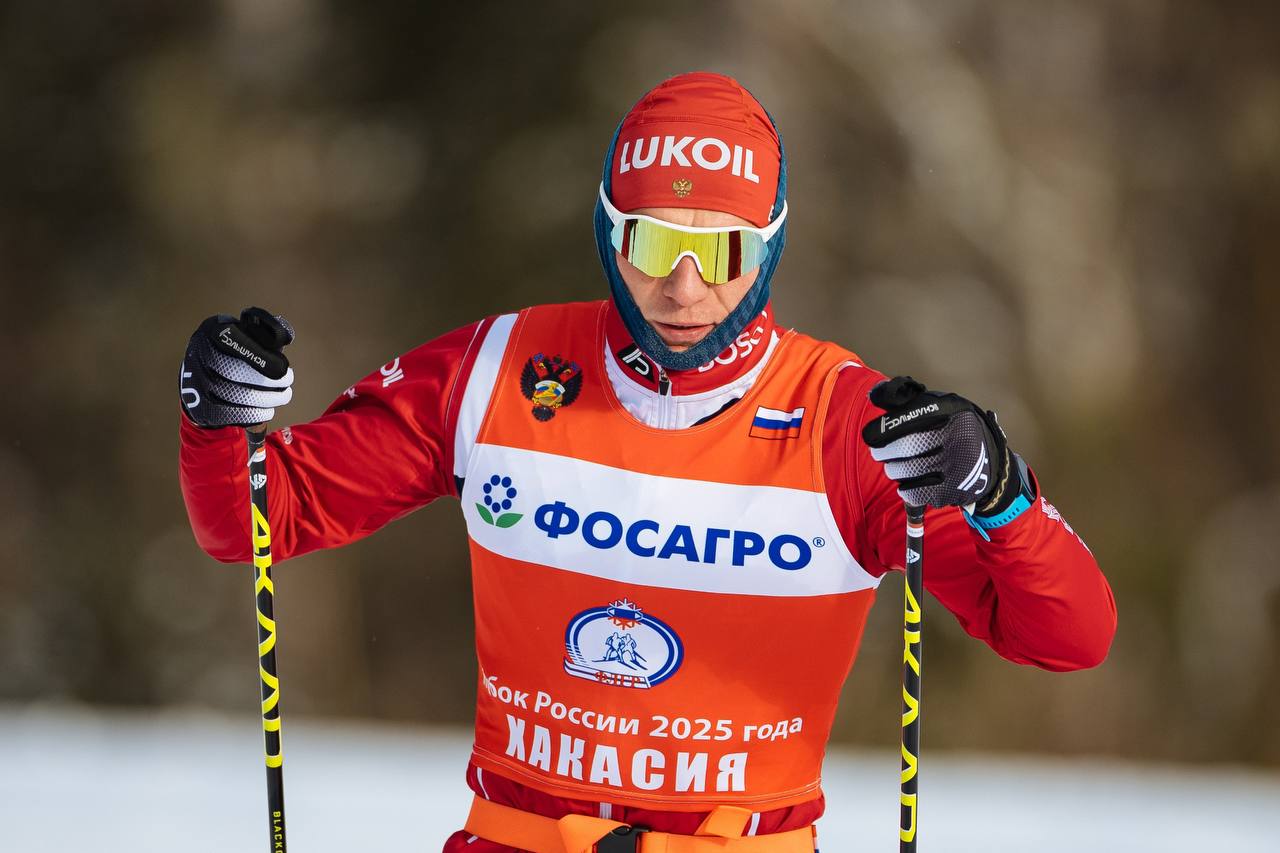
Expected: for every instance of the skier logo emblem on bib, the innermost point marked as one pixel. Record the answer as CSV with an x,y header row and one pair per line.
x,y
621,646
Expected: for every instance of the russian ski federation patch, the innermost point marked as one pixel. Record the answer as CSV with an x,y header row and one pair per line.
x,y
622,646
774,423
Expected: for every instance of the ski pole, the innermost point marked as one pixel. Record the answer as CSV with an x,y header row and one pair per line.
x,y
264,592
912,624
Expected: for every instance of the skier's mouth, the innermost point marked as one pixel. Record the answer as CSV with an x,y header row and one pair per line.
x,y
683,334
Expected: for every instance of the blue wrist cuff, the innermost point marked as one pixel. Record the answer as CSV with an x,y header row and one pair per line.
x,y
1017,508
968,516
1023,502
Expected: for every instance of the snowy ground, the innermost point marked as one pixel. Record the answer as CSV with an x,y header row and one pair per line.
x,y
194,782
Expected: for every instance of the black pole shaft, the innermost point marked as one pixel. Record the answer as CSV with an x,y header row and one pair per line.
x,y
264,591
912,623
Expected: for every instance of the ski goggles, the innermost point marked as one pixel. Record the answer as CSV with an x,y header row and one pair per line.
x,y
721,254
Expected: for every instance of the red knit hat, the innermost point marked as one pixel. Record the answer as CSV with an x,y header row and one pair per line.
x,y
698,140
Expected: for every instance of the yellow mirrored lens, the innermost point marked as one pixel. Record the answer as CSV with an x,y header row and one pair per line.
x,y
655,249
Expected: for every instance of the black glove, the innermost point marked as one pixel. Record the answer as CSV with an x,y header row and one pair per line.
x,y
941,449
235,372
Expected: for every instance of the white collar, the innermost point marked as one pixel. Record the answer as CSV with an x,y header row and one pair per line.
x,y
666,411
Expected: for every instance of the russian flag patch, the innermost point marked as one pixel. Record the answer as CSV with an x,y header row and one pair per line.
x,y
772,423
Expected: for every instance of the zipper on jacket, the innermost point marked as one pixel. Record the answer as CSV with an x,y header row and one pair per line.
x,y
666,403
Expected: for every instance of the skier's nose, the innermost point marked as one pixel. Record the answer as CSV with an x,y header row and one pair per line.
x,y
684,285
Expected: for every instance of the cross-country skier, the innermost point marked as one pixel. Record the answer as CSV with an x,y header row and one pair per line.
x,y
673,450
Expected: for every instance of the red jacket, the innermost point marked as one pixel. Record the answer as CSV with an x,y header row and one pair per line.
x,y
386,446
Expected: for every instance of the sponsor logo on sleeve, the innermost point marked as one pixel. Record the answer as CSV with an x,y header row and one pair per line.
x,y
1052,512
391,372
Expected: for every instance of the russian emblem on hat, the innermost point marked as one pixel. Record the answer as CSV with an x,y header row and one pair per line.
x,y
550,383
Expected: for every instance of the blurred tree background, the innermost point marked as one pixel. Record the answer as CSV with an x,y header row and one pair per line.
x,y
1065,210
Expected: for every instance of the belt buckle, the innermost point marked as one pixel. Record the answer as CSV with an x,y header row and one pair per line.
x,y
624,839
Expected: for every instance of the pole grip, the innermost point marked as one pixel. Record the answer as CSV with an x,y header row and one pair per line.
x,y
264,593
912,624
